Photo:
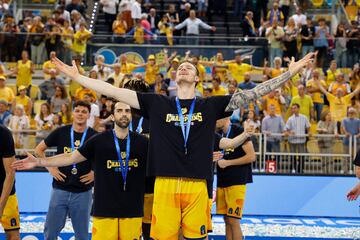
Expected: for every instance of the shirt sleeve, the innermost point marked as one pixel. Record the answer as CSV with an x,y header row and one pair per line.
x,y
219,104
217,142
7,148
146,102
87,149
53,138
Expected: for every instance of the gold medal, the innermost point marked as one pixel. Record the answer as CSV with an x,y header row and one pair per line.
x,y
74,171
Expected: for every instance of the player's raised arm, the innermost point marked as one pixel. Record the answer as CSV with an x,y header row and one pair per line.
x,y
241,97
124,95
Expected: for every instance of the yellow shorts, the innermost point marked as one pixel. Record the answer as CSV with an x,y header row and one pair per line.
x,y
210,228
230,200
116,228
148,205
180,202
10,219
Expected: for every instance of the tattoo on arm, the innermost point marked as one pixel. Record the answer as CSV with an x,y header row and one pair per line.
x,y
241,97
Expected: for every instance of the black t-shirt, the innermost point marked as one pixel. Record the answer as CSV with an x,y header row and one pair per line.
x,y
357,159
306,32
7,150
110,199
166,150
60,138
233,175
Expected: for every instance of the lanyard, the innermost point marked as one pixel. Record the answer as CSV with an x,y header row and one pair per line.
x,y
124,167
72,141
139,127
227,136
182,121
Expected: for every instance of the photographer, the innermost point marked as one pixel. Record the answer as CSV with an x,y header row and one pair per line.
x,y
275,35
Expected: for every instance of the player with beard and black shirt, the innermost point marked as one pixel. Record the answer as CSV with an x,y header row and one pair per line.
x,y
233,173
180,151
72,185
119,161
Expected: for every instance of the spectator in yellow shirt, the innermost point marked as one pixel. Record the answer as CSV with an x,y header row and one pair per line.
x,y
273,98
6,93
80,40
340,102
48,65
305,102
339,83
119,28
316,94
139,33
23,71
218,90
23,100
219,67
331,73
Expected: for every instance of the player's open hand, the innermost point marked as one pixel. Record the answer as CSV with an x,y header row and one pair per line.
x,y
25,164
295,67
70,71
354,193
57,175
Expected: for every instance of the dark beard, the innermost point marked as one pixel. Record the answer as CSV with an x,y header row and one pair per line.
x,y
123,124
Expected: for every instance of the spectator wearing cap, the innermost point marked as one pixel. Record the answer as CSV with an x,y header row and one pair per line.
x,y
23,71
193,24
136,11
6,93
154,19
339,83
48,65
175,63
23,100
80,40
218,90
48,87
275,35
109,9
5,115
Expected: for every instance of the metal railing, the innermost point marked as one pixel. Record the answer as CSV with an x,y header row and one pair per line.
x,y
319,154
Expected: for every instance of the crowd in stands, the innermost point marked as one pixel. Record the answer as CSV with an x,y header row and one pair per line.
x,y
319,100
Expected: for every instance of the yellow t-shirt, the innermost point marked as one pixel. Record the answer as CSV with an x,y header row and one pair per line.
x,y
67,40
221,72
306,104
338,106
65,120
220,92
202,71
150,73
23,101
119,27
24,75
331,76
48,65
276,72
7,94
127,68
74,86
238,70
272,101
79,46
139,35
337,85
317,97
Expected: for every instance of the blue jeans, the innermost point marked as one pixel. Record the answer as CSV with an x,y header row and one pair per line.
x,y
192,39
64,203
318,107
275,52
306,50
